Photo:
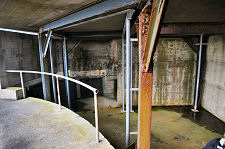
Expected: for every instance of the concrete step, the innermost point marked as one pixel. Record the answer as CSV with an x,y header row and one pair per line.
x,y
12,93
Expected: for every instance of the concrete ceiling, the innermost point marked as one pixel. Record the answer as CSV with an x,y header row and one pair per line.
x,y
114,23
30,15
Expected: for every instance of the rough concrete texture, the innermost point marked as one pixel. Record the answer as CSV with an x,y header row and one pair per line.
x,y
92,59
13,93
135,72
212,86
35,123
172,128
103,103
174,73
17,51
36,13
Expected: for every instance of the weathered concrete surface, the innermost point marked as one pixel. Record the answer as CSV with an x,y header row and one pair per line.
x,y
103,103
212,86
172,128
17,51
92,59
13,93
35,123
173,73
32,14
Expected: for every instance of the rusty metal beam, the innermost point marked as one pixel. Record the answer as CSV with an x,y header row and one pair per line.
x,y
152,27
149,20
192,28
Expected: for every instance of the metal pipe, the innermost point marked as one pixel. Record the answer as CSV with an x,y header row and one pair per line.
x,y
198,74
47,42
95,91
66,72
22,85
96,116
133,133
42,66
52,71
56,75
133,39
131,76
58,90
128,81
139,82
18,31
123,82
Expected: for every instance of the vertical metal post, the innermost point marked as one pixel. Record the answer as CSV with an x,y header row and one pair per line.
x,y
123,82
96,116
21,79
139,83
66,72
131,76
42,66
198,74
127,81
59,100
52,71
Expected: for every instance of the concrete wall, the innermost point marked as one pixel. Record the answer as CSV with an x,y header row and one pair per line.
x,y
173,73
92,59
17,51
212,87
135,72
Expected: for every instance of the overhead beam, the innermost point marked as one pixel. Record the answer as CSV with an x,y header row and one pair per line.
x,y
111,34
90,12
192,28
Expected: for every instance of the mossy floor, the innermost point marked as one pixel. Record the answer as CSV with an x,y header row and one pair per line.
x,y
172,127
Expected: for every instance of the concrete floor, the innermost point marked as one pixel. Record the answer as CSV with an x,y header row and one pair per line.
x,y
35,123
172,127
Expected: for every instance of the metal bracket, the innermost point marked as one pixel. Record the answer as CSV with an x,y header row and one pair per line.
x,y
47,42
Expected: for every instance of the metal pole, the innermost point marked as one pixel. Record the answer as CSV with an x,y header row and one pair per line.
x,y
96,116
66,72
198,74
131,75
59,100
123,82
127,81
139,83
47,42
42,66
21,79
52,71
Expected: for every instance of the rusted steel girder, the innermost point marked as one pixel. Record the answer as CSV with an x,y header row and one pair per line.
x,y
147,30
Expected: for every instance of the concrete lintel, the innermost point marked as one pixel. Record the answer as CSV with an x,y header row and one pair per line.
x,y
192,28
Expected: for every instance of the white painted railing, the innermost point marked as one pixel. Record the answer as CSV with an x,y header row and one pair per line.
x,y
94,90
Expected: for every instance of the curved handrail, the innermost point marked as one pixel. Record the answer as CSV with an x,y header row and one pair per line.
x,y
56,75
94,90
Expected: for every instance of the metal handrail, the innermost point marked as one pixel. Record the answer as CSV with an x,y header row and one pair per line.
x,y
94,90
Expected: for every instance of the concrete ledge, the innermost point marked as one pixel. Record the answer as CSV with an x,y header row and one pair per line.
x,y
12,93
38,124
